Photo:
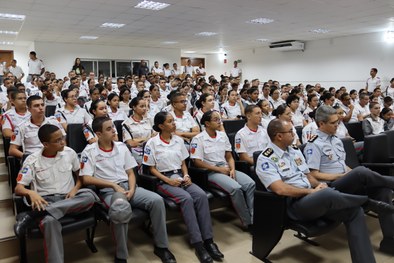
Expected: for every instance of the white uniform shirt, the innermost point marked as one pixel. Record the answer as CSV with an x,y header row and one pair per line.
x,y
359,110
298,119
389,92
119,115
167,72
157,106
35,66
176,73
138,129
33,90
26,135
277,103
341,131
184,123
372,83
50,175
235,72
377,125
157,70
248,141
124,107
200,70
265,120
166,156
189,70
231,111
210,150
17,71
308,131
78,115
12,119
110,166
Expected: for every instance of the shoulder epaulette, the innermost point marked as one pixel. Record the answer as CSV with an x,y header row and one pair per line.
x,y
268,152
313,138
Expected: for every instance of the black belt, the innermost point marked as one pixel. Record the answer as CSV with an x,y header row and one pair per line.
x,y
169,173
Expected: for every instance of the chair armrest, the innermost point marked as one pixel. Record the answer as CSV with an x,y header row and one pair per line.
x,y
20,205
242,166
199,176
378,165
147,181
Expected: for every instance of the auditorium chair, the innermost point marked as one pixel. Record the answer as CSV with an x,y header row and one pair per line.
x,y
355,130
50,110
233,126
119,130
376,154
390,143
271,220
75,138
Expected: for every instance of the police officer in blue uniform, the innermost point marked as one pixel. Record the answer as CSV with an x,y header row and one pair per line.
x,y
326,156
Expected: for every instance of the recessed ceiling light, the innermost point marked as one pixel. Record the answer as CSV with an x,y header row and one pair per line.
x,y
150,5
6,43
189,52
262,40
112,25
88,37
261,21
206,34
12,16
6,32
320,31
169,42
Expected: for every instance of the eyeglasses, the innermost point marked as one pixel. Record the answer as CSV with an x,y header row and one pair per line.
x,y
217,120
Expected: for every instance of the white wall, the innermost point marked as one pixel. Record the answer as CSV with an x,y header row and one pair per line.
x,y
59,57
331,62
21,54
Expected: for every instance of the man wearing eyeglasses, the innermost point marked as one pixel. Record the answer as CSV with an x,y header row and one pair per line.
x,y
53,193
325,156
347,106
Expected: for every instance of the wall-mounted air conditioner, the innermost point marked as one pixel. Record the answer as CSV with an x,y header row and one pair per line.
x,y
289,45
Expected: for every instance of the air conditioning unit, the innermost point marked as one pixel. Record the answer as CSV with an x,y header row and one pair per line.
x,y
289,45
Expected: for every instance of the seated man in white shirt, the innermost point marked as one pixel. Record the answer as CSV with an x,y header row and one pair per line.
x,y
361,109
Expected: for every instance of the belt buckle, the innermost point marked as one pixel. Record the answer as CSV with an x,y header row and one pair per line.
x,y
175,171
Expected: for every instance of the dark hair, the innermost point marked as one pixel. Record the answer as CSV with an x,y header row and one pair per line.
x,y
374,69
111,96
93,106
45,131
292,98
273,88
33,53
326,96
141,93
65,93
202,99
175,96
97,124
134,102
344,95
31,99
231,90
93,89
250,108
207,116
279,110
14,93
252,89
122,91
352,91
160,118
311,96
274,127
384,111
387,99
151,87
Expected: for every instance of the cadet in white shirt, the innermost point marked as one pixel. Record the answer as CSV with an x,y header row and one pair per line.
x,y
211,149
374,81
16,71
266,111
176,72
157,103
189,69
373,124
200,71
236,72
156,70
71,113
36,66
113,108
12,118
53,193
137,129
25,135
252,137
297,119
205,103
108,165
275,99
361,109
124,100
94,95
233,107
165,155
186,126
283,112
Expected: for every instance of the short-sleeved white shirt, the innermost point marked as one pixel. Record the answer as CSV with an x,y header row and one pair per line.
x,y
138,129
157,106
210,150
16,71
359,110
184,123
165,156
249,141
78,115
50,175
157,70
26,135
235,72
110,166
232,111
372,83
35,66
119,115
12,119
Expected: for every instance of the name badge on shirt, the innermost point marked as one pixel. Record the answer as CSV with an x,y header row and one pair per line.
x,y
298,161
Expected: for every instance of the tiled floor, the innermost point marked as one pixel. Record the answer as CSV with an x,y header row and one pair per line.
x,y
233,242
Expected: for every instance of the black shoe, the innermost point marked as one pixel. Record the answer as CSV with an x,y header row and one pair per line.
x,y
387,245
378,207
118,260
165,255
214,251
203,255
23,220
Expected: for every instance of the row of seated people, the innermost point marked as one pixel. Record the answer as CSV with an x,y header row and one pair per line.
x,y
194,144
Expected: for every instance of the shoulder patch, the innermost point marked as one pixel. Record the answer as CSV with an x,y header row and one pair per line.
x,y
268,152
313,138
